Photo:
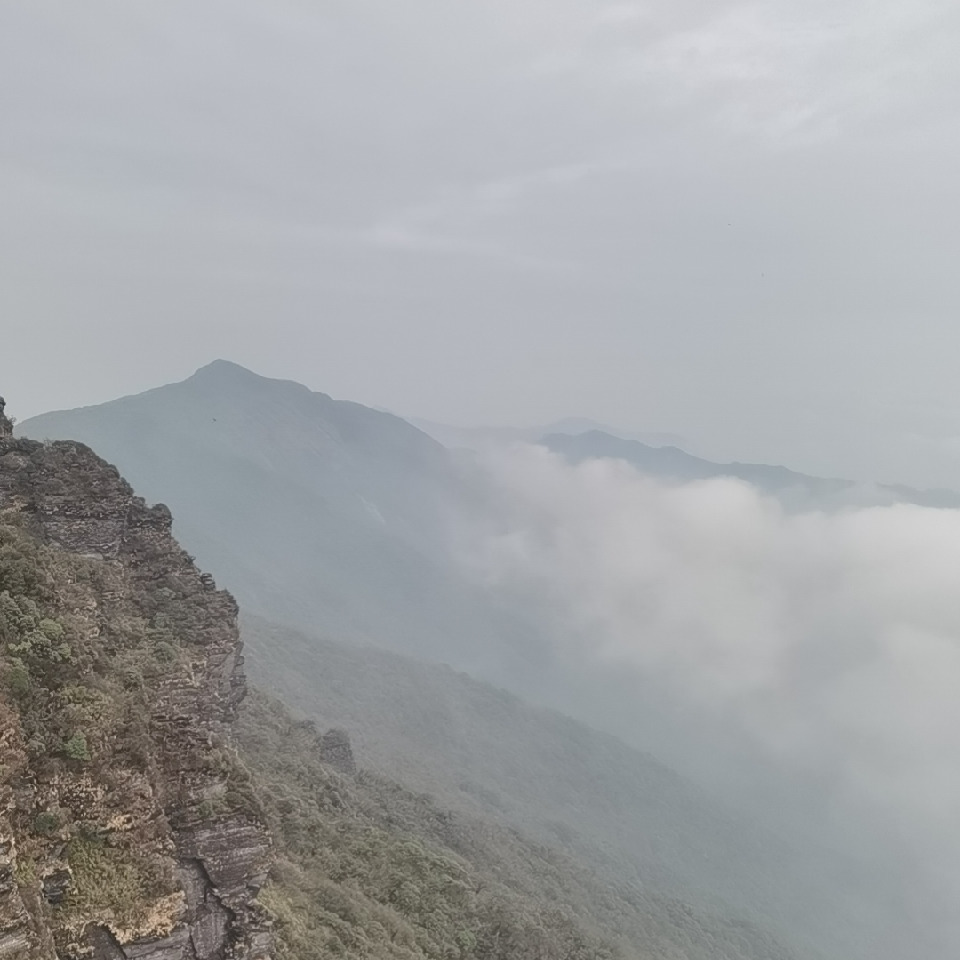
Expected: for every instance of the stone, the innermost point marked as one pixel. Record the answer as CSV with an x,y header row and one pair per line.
x,y
335,750
217,855
56,885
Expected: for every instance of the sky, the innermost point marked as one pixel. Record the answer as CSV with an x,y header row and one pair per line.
x,y
737,222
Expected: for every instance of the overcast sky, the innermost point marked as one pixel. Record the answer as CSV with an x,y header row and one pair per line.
x,y
734,221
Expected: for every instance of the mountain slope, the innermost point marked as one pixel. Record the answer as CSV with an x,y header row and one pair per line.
x,y
486,753
367,868
317,512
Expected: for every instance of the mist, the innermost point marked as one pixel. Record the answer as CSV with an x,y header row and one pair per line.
x,y
805,664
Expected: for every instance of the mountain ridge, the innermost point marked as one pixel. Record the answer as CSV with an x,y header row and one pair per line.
x,y
673,464
479,438
353,490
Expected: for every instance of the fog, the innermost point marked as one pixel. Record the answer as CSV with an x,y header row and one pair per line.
x,y
812,657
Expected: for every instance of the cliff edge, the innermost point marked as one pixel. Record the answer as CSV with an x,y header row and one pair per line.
x,y
128,828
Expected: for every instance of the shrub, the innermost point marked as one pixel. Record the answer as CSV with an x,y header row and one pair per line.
x,y
18,681
46,823
76,748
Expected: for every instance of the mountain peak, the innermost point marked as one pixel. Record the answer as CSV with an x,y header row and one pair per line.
x,y
221,369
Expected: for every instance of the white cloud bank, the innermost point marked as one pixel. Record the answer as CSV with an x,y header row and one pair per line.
x,y
829,642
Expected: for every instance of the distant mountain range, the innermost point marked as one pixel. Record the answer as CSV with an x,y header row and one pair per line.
x,y
672,464
666,456
478,438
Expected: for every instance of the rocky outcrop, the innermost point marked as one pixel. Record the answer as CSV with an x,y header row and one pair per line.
x,y
336,752
137,837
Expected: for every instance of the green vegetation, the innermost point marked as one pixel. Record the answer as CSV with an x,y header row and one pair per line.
x,y
47,823
82,646
108,881
76,747
76,675
367,869
358,875
483,752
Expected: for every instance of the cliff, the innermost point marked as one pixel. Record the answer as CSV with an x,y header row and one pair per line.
x,y
128,828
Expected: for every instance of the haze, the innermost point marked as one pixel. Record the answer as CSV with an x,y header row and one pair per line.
x,y
731,221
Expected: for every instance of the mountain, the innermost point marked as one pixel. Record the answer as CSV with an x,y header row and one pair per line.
x,y
147,813
336,518
366,868
485,753
675,465
482,751
318,512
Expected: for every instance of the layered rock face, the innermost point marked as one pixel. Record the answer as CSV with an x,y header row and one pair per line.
x,y
128,830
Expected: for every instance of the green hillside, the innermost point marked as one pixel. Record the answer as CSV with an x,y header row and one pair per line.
x,y
486,753
365,868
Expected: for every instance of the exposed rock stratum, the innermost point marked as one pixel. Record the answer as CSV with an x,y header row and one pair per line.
x,y
128,829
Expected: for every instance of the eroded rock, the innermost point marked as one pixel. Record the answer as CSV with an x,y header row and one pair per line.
x,y
156,848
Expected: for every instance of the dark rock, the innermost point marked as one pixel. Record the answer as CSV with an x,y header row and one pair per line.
x,y
56,885
336,751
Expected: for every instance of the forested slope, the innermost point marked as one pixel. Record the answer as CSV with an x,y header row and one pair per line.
x,y
487,753
366,868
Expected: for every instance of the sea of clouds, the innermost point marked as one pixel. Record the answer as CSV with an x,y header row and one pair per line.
x,y
824,643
